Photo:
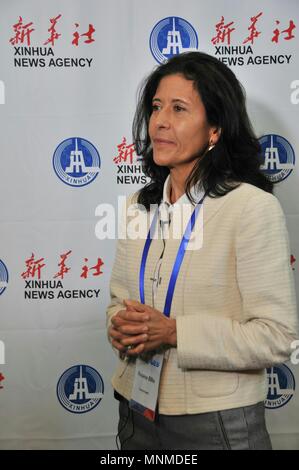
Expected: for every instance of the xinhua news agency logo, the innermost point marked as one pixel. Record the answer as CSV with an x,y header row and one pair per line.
x,y
278,157
76,161
172,36
80,389
281,386
3,277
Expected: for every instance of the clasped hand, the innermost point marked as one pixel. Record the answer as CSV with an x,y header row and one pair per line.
x,y
142,328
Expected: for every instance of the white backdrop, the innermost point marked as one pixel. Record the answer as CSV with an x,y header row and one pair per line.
x,y
82,85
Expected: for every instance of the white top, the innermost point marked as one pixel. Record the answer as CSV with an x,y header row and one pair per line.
x,y
166,209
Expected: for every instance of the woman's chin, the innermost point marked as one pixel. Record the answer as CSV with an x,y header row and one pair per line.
x,y
161,160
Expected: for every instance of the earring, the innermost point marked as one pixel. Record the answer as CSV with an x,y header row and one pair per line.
x,y
211,145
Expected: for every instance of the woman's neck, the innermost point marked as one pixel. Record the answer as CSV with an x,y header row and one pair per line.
x,y
177,189
178,178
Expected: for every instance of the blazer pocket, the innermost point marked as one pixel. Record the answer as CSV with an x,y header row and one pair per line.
x,y
208,384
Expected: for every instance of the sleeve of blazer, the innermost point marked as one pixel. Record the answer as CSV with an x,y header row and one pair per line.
x,y
118,288
267,325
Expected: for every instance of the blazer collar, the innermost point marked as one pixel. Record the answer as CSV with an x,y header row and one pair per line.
x,y
195,193
211,204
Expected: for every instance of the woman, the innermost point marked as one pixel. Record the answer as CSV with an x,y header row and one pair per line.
x,y
196,323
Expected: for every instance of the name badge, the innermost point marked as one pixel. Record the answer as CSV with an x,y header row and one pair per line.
x,y
146,386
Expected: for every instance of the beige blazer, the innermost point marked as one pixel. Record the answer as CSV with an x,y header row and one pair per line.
x,y
234,304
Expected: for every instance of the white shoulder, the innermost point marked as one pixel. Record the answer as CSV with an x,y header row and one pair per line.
x,y
251,196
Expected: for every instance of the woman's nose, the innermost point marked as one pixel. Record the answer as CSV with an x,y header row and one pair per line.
x,y
163,119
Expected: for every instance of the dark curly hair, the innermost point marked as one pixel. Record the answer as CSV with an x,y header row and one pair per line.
x,y
236,157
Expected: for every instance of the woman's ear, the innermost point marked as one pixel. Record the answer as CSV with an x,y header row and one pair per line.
x,y
215,134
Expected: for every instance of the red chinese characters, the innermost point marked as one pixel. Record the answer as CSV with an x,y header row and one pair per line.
x,y
88,34
253,32
96,268
52,30
223,32
289,32
1,379
125,152
292,261
63,268
22,33
34,267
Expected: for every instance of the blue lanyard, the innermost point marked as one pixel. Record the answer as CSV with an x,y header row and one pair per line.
x,y
178,261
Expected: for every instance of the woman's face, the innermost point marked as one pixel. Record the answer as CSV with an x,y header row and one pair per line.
x,y
178,125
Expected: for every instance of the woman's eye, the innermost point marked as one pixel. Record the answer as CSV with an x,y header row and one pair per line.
x,y
179,108
155,107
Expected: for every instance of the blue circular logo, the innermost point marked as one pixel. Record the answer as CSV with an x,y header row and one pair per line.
x,y
172,36
3,277
278,157
76,161
281,386
80,389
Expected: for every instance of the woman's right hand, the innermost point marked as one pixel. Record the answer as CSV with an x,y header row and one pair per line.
x,y
129,326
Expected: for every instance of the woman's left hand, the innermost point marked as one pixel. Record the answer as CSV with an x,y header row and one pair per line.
x,y
161,329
